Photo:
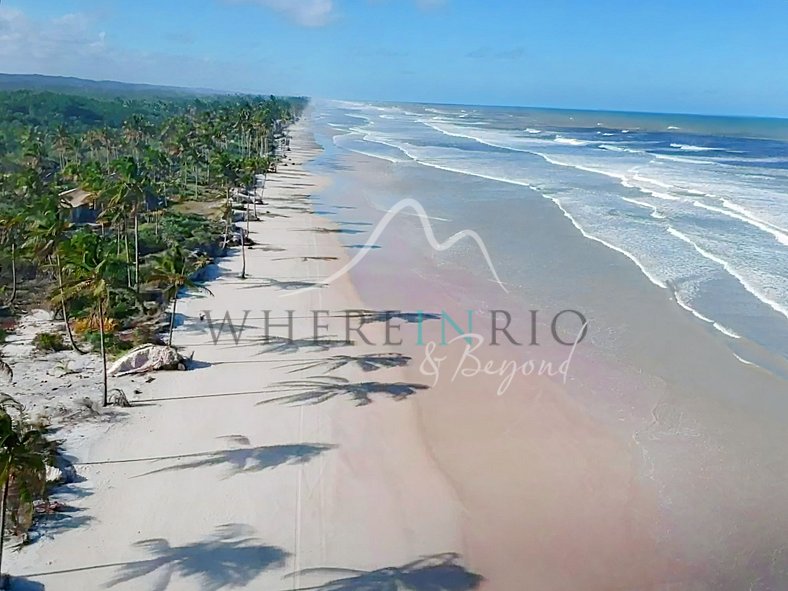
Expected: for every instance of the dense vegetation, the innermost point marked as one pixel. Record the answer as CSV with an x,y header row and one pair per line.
x,y
154,178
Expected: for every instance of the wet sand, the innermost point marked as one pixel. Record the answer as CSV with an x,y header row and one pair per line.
x,y
659,464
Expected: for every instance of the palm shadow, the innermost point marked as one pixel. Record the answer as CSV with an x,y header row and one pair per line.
x,y
229,558
285,285
247,459
269,248
307,258
373,316
364,246
321,230
273,344
367,363
293,208
65,517
22,584
318,390
440,572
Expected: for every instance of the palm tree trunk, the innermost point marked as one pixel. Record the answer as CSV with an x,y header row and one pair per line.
x,y
227,221
136,251
128,255
13,273
105,399
243,246
6,485
172,318
70,334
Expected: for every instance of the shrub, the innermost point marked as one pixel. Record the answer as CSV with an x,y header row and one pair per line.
x,y
112,343
142,335
91,324
49,341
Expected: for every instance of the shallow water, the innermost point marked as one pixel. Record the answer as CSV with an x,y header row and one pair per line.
x,y
662,446
699,204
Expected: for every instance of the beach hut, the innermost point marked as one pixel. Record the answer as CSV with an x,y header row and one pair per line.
x,y
83,208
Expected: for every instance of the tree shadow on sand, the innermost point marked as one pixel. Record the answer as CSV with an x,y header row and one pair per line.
x,y
283,285
321,230
229,558
22,584
63,518
247,459
440,572
307,259
367,363
273,344
322,389
269,248
374,316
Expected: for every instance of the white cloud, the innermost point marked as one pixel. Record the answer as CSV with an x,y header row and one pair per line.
x,y
25,44
74,45
309,13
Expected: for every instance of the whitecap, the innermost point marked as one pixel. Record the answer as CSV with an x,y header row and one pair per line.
x,y
570,141
730,270
691,148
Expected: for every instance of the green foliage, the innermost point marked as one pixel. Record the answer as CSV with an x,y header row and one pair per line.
x,y
24,109
114,344
189,231
25,453
67,161
49,341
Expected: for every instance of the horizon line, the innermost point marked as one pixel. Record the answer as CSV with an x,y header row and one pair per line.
x,y
206,90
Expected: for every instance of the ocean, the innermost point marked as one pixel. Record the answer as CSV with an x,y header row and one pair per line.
x,y
669,233
699,204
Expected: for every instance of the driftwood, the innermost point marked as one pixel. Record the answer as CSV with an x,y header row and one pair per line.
x,y
148,358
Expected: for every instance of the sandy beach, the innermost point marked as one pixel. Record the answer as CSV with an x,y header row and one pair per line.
x,y
209,482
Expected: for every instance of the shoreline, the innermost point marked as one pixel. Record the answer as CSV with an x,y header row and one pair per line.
x,y
606,469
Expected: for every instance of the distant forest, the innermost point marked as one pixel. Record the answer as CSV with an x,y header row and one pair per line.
x,y
23,110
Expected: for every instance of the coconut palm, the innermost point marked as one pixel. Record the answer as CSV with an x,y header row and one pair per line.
x,y
24,455
93,271
11,224
46,231
173,270
62,142
127,190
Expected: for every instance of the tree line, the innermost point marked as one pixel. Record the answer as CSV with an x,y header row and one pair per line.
x,y
134,163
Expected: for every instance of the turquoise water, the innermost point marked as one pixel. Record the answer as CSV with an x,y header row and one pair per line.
x,y
699,204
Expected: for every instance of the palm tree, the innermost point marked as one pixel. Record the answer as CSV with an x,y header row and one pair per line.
x,y
94,272
61,142
246,178
24,456
173,269
47,229
11,223
128,191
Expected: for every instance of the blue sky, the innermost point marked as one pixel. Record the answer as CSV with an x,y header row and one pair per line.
x,y
697,56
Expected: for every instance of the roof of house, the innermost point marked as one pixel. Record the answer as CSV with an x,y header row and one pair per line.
x,y
77,197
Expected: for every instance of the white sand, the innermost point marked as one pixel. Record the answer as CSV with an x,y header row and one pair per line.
x,y
193,466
